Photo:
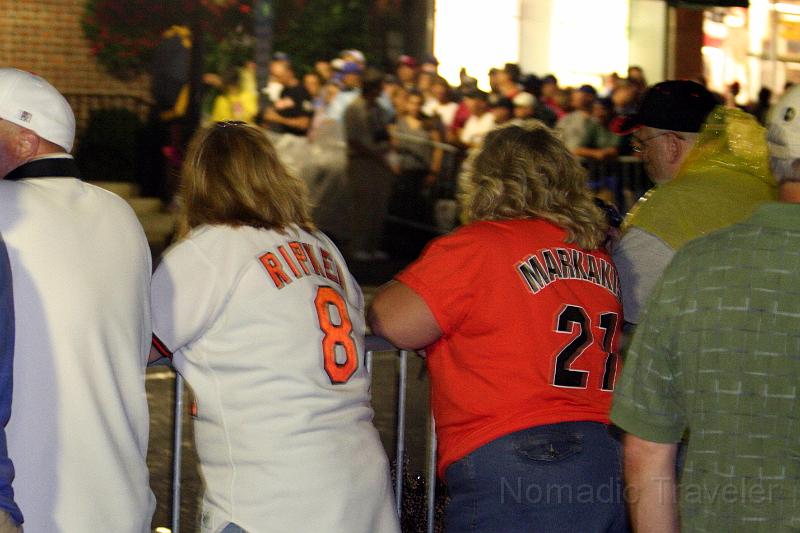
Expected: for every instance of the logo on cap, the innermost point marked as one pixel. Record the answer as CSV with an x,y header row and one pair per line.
x,y
24,116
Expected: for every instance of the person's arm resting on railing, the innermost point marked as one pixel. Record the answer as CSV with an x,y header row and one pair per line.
x,y
402,317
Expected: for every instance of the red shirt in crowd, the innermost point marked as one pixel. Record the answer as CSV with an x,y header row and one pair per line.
x,y
530,327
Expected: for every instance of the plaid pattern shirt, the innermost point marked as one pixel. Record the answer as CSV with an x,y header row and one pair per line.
x,y
717,356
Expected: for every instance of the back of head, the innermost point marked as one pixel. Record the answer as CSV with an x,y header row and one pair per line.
x,y
524,170
783,137
32,103
372,83
232,176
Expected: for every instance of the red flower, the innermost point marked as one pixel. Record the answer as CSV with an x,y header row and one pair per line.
x,y
244,8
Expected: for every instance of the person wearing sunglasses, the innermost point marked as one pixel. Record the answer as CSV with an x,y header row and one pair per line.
x,y
709,166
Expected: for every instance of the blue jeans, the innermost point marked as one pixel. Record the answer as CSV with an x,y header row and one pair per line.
x,y
555,478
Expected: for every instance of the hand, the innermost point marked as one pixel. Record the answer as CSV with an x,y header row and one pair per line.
x,y
270,115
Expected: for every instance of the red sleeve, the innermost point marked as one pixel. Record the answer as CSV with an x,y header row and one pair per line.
x,y
448,276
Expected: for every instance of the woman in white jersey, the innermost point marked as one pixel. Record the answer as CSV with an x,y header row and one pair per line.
x,y
266,325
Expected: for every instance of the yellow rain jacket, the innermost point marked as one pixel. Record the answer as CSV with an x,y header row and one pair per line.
x,y
723,179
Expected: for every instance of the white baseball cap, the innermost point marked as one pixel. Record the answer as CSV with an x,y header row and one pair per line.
x,y
31,102
524,99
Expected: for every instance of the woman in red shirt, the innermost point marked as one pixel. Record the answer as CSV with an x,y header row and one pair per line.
x,y
519,312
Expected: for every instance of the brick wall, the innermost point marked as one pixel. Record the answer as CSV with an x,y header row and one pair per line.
x,y
45,36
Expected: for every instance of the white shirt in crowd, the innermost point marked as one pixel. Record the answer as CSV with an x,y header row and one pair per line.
x,y
476,128
79,423
268,330
446,111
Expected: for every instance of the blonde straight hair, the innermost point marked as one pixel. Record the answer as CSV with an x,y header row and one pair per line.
x,y
232,176
525,171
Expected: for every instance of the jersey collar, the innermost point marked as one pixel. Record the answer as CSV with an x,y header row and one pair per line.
x,y
51,167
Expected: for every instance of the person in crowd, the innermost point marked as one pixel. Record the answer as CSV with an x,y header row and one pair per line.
x,y
492,75
406,71
731,97
312,83
369,175
709,165
10,515
442,104
350,81
424,85
574,124
234,101
355,56
507,80
716,355
527,107
418,161
548,94
81,276
324,70
480,121
521,368
429,64
284,426
624,97
610,83
280,62
502,109
760,108
599,142
291,113
637,78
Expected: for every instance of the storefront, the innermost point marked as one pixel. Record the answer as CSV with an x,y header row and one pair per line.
x,y
756,47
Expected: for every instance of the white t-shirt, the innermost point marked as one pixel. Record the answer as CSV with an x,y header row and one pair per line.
x,y
446,111
268,330
79,422
640,258
476,128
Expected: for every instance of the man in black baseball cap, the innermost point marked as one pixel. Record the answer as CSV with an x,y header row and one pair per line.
x,y
666,124
709,165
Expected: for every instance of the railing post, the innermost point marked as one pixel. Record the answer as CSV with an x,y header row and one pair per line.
x,y
401,430
176,454
431,476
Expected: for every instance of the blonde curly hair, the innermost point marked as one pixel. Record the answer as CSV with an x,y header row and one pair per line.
x,y
232,176
524,170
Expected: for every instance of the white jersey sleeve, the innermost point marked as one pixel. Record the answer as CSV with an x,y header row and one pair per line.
x,y
186,297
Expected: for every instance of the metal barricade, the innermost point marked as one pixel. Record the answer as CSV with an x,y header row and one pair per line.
x,y
623,176
373,344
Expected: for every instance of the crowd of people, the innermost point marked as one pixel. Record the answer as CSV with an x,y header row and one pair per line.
x,y
543,422
423,129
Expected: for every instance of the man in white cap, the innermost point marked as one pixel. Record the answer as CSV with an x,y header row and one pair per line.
x,y
717,355
81,272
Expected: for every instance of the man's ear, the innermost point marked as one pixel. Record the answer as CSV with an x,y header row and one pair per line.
x,y
27,144
675,149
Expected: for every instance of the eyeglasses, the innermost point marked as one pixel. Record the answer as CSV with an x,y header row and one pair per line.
x,y
638,145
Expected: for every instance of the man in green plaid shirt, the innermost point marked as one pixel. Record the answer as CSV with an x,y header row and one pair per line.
x,y
717,357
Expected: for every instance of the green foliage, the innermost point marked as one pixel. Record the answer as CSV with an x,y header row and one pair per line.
x,y
319,29
123,33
